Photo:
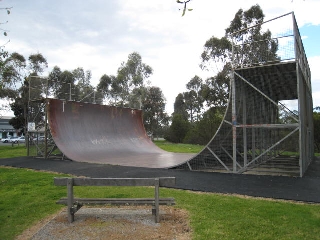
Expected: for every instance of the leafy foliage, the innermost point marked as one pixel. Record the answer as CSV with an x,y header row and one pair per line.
x,y
37,63
244,43
72,85
194,99
8,11
128,86
12,71
18,121
251,44
179,106
316,124
16,74
154,114
178,129
203,130
184,6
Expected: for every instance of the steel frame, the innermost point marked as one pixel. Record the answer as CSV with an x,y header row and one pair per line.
x,y
43,149
252,133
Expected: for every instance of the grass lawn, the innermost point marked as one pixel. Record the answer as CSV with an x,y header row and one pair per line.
x,y
28,196
178,147
17,151
10,151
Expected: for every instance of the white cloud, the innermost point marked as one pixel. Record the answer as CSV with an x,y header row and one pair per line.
x,y
316,99
98,35
314,63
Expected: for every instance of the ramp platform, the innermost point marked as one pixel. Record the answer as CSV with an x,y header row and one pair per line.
x,y
87,132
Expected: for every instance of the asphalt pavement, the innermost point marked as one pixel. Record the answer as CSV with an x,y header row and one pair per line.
x,y
305,189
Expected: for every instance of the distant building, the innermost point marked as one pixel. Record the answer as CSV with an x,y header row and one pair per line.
x,y
6,129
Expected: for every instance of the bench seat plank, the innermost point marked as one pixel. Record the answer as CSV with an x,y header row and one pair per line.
x,y
118,201
163,182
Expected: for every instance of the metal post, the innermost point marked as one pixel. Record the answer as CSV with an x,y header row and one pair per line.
x,y
234,116
244,117
301,104
28,117
253,143
234,123
46,131
28,136
70,199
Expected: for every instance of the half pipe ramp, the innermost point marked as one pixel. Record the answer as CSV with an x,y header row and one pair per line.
x,y
106,134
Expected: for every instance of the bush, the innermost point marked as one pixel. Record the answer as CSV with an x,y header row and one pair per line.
x,y
178,129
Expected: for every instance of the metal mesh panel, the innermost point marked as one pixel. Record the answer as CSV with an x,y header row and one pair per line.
x,y
267,126
40,143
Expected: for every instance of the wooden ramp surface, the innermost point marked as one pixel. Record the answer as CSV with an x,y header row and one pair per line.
x,y
95,133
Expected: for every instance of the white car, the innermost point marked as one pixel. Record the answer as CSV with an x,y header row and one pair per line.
x,y
40,139
17,139
6,140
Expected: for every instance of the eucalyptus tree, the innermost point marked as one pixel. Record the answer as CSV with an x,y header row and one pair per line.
x,y
54,81
37,85
137,96
130,75
65,87
84,91
5,91
18,121
180,124
250,49
215,90
18,85
61,83
194,98
72,85
179,106
37,63
12,74
104,88
153,106
34,88
127,87
178,129
190,101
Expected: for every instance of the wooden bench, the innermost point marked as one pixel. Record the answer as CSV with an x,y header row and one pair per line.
x,y
74,204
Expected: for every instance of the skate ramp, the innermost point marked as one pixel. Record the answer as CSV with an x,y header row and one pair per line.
x,y
96,133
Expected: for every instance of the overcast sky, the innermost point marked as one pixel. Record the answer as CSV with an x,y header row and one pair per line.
x,y
98,35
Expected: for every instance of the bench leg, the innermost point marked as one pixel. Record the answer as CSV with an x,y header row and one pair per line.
x,y
156,195
70,200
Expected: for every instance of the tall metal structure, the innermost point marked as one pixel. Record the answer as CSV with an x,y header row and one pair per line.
x,y
268,124
39,139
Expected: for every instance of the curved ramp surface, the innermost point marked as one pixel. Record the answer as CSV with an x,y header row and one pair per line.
x,y
105,134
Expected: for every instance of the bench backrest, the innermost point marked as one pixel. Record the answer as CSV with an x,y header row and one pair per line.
x,y
163,181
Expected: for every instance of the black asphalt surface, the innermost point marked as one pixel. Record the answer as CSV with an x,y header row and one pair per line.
x,y
306,189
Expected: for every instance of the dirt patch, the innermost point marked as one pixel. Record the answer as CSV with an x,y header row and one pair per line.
x,y
113,223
